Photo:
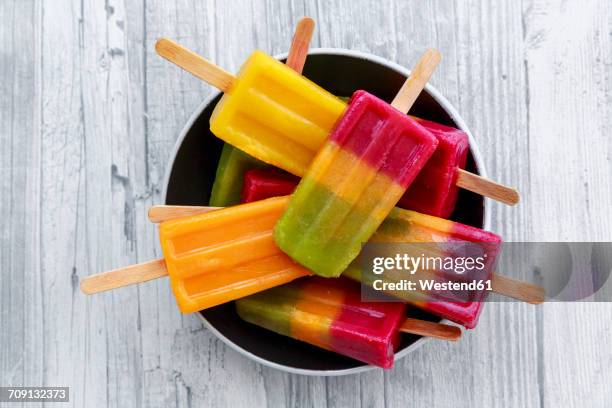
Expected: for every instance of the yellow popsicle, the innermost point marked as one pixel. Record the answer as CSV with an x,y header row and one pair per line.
x,y
275,114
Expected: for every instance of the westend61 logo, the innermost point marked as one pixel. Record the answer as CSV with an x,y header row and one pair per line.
x,y
425,273
468,271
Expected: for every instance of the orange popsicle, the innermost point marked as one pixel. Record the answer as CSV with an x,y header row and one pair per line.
x,y
225,255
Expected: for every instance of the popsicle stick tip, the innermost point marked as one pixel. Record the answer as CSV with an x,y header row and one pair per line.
x,y
86,287
431,329
537,295
433,55
167,48
152,214
453,333
194,64
298,51
487,188
306,23
523,291
513,196
420,75
162,44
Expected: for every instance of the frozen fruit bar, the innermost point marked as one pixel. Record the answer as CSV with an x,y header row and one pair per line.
x,y
328,313
260,184
360,173
275,114
226,254
434,191
438,238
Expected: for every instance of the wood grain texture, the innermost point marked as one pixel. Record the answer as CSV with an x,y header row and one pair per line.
x,y
89,115
21,290
123,276
570,45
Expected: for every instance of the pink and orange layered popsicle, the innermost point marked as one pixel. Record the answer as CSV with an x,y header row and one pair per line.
x,y
412,233
328,313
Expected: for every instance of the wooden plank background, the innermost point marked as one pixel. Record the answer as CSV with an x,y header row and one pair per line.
x,y
89,115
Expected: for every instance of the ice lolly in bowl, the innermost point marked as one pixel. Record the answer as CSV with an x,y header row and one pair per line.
x,y
409,227
434,191
234,162
415,234
212,256
373,154
328,313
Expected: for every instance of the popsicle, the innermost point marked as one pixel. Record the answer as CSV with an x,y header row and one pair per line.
x,y
283,119
328,313
234,162
260,184
358,176
268,111
437,235
435,190
216,257
405,226
225,255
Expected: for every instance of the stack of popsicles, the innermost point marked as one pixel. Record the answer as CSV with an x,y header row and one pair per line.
x,y
357,161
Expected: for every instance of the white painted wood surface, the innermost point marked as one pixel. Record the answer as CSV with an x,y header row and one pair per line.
x,y
89,114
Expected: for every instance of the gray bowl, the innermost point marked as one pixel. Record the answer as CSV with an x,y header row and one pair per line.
x,y
191,172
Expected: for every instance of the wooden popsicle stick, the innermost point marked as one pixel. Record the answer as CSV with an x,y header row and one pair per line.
x,y
430,329
300,44
409,92
161,213
195,64
404,100
485,187
120,277
525,292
